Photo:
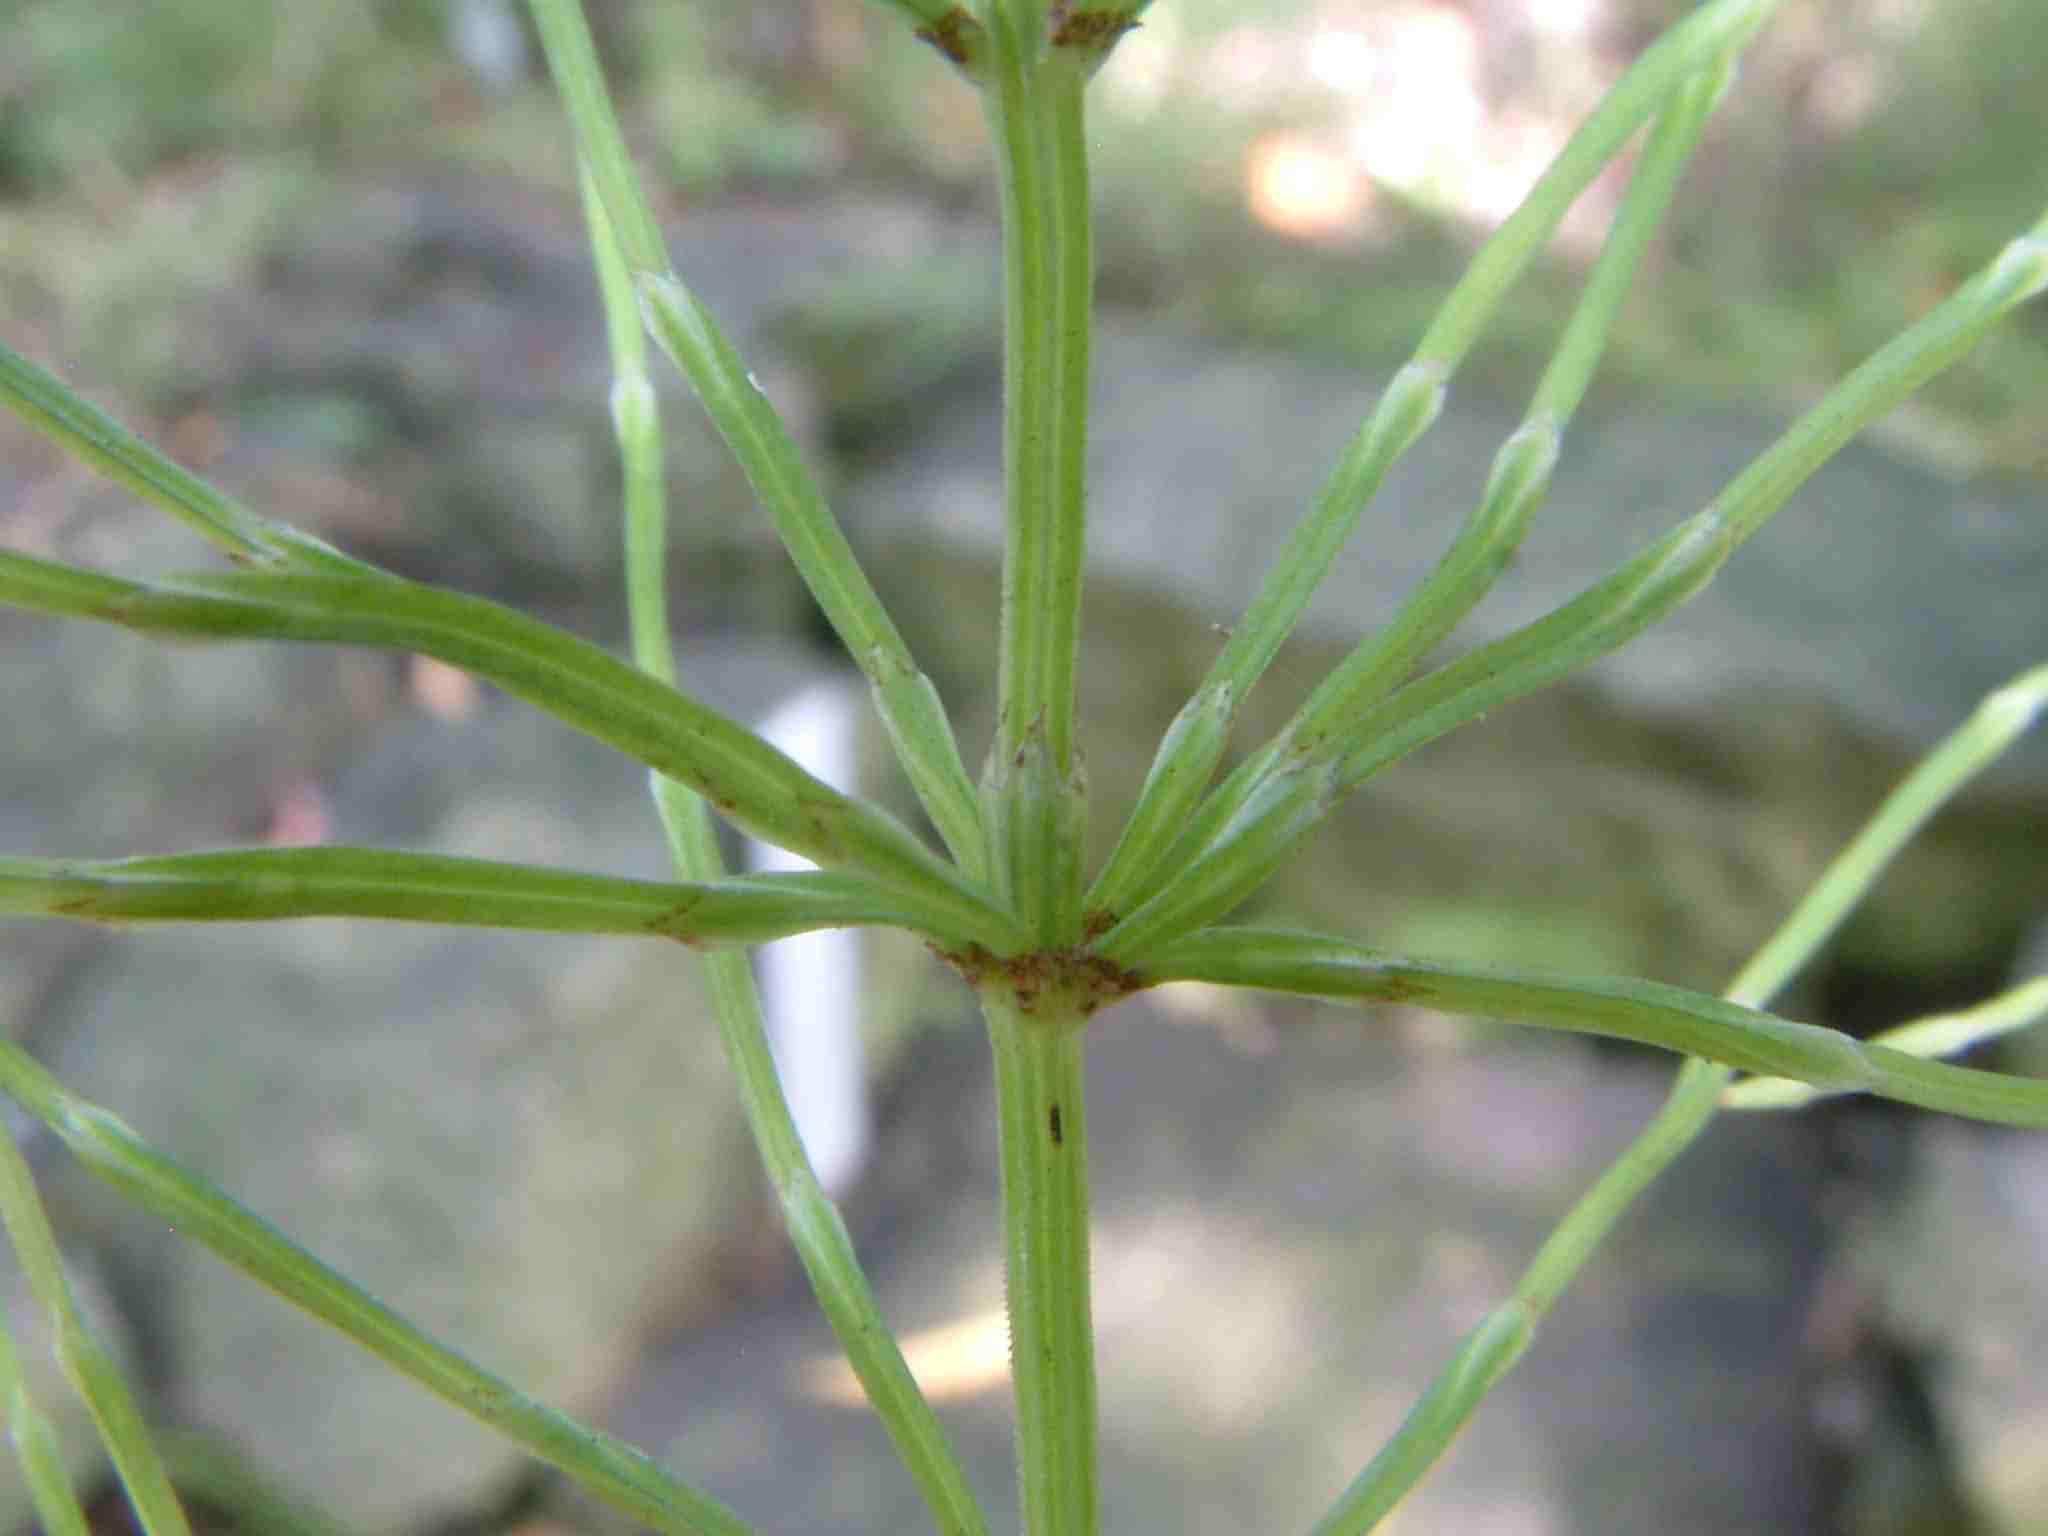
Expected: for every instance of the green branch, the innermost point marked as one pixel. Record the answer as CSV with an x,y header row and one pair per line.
x,y
86,1361
812,1221
608,1468
1702,1087
753,785
1248,849
1413,399
271,884
1938,1035
1649,1012
93,437
755,434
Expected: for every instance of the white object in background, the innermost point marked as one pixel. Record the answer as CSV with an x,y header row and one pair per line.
x,y
485,35
811,984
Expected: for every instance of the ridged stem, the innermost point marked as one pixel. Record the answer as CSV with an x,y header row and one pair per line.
x,y
1042,1125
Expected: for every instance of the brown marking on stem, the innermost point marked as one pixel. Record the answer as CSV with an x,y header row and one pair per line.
x,y
1093,31
1089,981
952,34
1398,989
1052,1124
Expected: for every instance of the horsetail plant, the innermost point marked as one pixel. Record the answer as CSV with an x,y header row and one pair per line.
x,y
1044,945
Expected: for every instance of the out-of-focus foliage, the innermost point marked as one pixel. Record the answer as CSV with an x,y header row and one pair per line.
x,y
1874,150
110,92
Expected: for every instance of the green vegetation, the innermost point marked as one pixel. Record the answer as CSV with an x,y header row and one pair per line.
x,y
1045,942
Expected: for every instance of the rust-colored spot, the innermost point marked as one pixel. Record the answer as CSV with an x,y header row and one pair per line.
x,y
950,34
1052,1124
974,963
1396,989
1095,924
1089,980
675,924
1094,30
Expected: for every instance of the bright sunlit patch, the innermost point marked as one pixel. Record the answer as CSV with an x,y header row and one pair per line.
x,y
1562,18
956,1360
1302,189
1341,58
1422,123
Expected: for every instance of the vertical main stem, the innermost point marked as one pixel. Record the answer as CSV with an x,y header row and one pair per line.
x,y
1010,99
1034,792
1043,1129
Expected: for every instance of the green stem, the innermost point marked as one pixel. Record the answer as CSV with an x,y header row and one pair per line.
x,y
1040,1069
1521,471
1937,1035
1648,1012
1514,492
755,786
86,1361
275,884
815,1229
1414,397
754,432
37,1452
1062,102
2002,718
1017,128
608,1468
95,438
1702,1087
1600,619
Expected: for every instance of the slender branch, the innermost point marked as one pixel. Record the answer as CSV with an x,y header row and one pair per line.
x,y
609,1468
755,434
1415,396
815,1229
273,884
1620,1009
37,1452
2006,713
753,430
1937,1035
1188,754
1492,1348
93,437
86,1361
756,787
1521,472
1245,853
1515,490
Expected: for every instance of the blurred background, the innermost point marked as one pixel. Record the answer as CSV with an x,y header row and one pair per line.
x,y
330,256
